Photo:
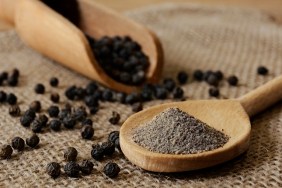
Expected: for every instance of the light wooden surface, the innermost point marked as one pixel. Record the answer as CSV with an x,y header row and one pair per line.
x,y
51,35
272,6
231,116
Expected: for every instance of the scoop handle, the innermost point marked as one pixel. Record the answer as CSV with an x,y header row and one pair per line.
x,y
262,97
7,11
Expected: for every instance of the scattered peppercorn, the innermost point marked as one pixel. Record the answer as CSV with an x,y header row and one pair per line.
x,y
30,113
26,120
214,92
33,141
137,107
131,98
53,169
35,106
108,148
87,132
93,110
86,167
53,111
11,99
18,143
37,126
262,70
91,88
169,84
219,75
111,170
178,93
232,80
3,96
80,113
212,80
13,81
70,154
107,95
15,73
54,82
6,152
39,89
117,145
161,93
72,169
182,77
87,122
43,119
55,97
120,97
115,118
113,136
91,101
97,152
15,111
4,76
69,122
55,125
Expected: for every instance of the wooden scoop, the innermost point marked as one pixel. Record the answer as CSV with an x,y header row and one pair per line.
x,y
229,116
51,34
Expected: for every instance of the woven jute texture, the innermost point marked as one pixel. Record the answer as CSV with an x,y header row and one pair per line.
x,y
194,37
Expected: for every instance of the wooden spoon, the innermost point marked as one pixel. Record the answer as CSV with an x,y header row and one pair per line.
x,y
51,34
229,116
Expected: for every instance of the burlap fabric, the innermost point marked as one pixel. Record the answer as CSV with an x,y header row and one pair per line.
x,y
194,37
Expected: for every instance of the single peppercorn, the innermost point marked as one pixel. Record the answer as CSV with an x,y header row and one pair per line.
x,y
4,76
15,111
87,122
80,113
108,148
91,101
117,145
53,111
97,152
71,93
169,84
69,122
30,113
178,93
55,125
54,82
93,110
219,75
3,96
115,118
15,73
137,107
55,97
132,98
43,119
232,80
53,169
120,97
161,93
6,152
87,132
70,154
37,126
214,92
198,75
262,70
33,141
212,80
113,136
39,89
107,95
72,169
35,106
86,167
18,143
26,120
111,170
11,99
182,77
13,81
64,113
91,88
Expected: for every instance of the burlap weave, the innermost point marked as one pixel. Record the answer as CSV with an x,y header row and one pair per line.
x,y
233,40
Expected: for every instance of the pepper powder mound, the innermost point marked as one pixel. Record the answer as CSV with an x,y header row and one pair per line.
x,y
176,132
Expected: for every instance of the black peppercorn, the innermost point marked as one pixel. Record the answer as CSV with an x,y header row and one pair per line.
x,y
54,82
53,169
80,113
262,70
71,92
214,92
120,97
232,80
69,122
35,106
113,136
55,125
3,96
70,154
87,132
15,73
43,119
55,97
198,75
182,77
4,76
86,167
39,89
161,93
33,141
12,81
30,113
111,170
18,143
87,122
79,93
53,111
97,152
131,98
91,88
37,126
107,95
178,93
93,110
91,101
11,99
108,148
115,118
169,84
64,113
15,111
137,107
26,120
72,169
212,80
219,75
117,145
6,152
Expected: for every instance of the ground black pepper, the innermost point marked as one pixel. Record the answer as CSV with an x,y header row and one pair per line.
x,y
18,143
53,169
111,170
87,132
70,154
6,152
86,167
72,169
15,111
33,141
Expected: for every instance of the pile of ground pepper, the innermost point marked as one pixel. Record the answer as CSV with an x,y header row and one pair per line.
x,y
176,132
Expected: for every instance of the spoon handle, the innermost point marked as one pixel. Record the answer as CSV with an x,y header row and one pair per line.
x,y
262,97
7,11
